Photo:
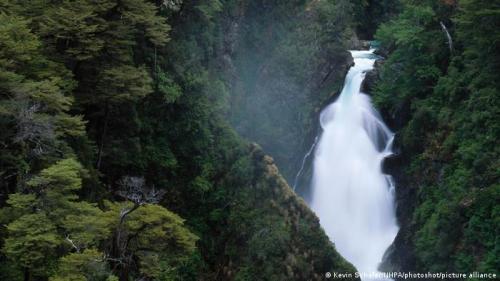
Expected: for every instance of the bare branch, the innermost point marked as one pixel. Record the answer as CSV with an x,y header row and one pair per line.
x,y
174,5
125,212
35,128
135,190
77,248
117,260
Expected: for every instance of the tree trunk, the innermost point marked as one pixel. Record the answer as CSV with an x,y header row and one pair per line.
x,y
103,136
124,273
27,274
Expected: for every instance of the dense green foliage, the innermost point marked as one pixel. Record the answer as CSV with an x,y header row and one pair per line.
x,y
370,14
445,98
113,111
47,221
118,160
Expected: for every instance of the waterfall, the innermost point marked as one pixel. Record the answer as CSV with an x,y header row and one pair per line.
x,y
352,197
448,36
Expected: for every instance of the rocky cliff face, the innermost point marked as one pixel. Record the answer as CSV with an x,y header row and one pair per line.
x,y
281,69
400,256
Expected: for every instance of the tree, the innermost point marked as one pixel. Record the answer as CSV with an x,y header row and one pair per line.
x,y
102,43
32,242
83,266
145,232
34,103
48,221
43,218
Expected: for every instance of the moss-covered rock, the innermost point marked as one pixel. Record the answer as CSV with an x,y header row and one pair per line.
x,y
275,236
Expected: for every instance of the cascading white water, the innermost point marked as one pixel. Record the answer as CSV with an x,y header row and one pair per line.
x,y
352,197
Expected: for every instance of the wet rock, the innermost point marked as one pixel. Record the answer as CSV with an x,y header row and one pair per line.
x,y
355,43
365,44
368,85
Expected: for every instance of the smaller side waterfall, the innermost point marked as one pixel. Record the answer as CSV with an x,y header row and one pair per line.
x,y
304,160
353,198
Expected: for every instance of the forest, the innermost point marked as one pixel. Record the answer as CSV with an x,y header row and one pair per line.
x,y
159,140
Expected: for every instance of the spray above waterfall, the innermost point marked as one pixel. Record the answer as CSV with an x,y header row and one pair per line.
x,y
352,197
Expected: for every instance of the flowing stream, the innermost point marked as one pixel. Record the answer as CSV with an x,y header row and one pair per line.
x,y
352,197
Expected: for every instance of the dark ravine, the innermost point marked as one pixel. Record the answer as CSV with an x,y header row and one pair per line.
x,y
276,96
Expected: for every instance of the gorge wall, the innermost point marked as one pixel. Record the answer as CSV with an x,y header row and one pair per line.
x,y
285,60
440,98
